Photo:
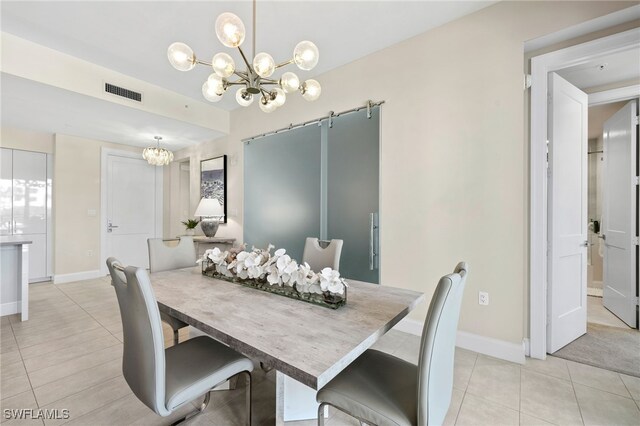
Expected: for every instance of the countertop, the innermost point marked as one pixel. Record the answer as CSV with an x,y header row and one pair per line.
x,y
14,240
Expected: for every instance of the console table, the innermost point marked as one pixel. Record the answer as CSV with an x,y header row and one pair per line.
x,y
14,271
204,243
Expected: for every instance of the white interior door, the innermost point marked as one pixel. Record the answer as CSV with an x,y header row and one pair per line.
x,y
567,224
133,191
619,214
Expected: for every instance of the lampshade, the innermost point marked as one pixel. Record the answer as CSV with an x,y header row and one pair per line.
x,y
209,207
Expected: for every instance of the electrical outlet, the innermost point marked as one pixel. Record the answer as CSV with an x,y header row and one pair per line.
x,y
89,253
483,298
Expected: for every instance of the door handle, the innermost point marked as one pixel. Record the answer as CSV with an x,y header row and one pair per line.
x,y
372,228
604,237
110,226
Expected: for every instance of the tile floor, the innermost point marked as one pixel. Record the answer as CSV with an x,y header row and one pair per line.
x,y
598,314
68,356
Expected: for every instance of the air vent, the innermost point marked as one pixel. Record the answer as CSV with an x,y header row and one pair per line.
x,y
121,91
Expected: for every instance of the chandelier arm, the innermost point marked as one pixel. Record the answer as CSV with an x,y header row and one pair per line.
x,y
284,64
237,83
201,62
262,82
242,75
244,58
264,94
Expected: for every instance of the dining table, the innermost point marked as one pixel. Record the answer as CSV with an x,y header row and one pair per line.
x,y
307,344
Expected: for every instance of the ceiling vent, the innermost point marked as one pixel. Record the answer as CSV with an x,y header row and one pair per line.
x,y
121,91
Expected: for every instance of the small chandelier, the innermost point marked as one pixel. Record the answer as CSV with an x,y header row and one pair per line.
x,y
257,79
157,156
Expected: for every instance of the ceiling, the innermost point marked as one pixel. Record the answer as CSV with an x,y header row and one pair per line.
x,y
42,108
616,67
132,37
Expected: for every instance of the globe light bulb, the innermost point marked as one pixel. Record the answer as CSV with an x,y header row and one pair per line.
x,y
280,98
181,56
306,55
243,97
216,83
223,64
289,82
209,92
267,105
311,90
230,29
264,65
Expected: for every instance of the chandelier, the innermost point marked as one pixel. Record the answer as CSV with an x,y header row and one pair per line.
x,y
157,156
257,79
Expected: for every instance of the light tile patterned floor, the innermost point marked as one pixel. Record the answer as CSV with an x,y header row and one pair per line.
x,y
68,356
597,313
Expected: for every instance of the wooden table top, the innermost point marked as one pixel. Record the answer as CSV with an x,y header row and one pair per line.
x,y
309,343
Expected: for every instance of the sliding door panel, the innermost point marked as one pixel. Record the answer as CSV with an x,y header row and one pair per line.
x,y
352,192
282,190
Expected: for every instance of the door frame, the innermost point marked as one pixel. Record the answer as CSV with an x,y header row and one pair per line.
x,y
158,207
541,66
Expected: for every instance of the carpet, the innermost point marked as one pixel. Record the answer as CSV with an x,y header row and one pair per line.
x,y
612,348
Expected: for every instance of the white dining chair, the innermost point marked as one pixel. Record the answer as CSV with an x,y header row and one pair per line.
x,y
319,258
163,257
167,379
381,389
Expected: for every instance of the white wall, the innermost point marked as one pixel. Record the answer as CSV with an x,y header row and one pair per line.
x,y
454,173
76,190
26,140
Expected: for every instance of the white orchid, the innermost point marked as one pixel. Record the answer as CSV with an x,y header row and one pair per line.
x,y
286,268
217,256
273,275
330,281
307,281
240,264
278,269
224,270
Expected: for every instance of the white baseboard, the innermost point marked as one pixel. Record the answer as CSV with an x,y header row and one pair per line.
x,y
474,342
76,276
9,308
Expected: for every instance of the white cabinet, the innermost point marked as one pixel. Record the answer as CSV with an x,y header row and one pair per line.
x,y
6,191
25,191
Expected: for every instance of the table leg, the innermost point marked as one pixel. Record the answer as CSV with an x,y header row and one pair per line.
x,y
294,401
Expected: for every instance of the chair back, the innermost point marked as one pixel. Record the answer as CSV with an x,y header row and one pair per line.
x,y
143,361
437,349
163,257
319,258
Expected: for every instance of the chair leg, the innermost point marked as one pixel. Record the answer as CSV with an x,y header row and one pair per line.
x,y
248,397
192,414
321,414
176,338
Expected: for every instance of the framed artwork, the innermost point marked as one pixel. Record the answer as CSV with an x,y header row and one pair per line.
x,y
213,180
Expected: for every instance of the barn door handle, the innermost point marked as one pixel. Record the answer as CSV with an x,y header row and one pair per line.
x,y
373,226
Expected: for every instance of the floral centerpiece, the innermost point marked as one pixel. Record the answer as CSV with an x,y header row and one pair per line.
x,y
276,273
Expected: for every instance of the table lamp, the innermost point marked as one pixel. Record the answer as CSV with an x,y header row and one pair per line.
x,y
210,212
